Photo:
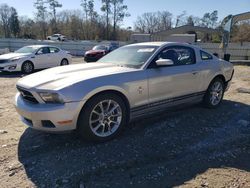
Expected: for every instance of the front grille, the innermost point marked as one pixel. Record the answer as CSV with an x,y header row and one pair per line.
x,y
27,95
47,124
3,61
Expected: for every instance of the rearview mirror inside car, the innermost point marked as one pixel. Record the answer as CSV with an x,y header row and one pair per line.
x,y
164,62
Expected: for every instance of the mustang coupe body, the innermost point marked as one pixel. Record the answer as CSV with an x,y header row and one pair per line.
x,y
99,99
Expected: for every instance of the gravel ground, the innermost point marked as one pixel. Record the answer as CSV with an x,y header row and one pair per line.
x,y
188,147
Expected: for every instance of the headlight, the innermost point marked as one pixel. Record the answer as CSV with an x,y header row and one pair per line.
x,y
15,59
51,97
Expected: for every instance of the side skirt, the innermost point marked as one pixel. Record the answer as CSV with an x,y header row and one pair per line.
x,y
157,107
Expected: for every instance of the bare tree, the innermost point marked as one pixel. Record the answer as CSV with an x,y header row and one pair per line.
x,y
53,5
41,14
140,25
152,22
241,32
92,13
210,19
119,12
84,4
28,27
14,22
214,18
106,8
190,21
180,19
5,14
165,20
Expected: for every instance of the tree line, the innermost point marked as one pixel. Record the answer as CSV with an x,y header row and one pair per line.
x,y
152,22
81,24
86,23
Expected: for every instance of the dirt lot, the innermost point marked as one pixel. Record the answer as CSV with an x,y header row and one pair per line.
x,y
190,147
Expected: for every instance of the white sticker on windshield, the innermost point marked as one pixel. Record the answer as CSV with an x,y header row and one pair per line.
x,y
146,50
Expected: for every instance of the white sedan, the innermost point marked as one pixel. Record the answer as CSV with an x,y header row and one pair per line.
x,y
57,37
29,58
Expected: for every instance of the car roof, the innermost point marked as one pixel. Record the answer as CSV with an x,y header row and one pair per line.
x,y
159,44
40,46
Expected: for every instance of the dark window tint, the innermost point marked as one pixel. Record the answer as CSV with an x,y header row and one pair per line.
x,y
44,50
180,55
53,50
99,48
205,56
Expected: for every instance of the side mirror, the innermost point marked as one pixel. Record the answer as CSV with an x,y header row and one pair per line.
x,y
164,62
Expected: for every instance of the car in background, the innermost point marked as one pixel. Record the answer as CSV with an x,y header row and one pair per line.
x,y
29,58
99,99
113,46
57,37
96,53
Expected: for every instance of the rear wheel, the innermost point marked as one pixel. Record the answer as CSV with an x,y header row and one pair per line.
x,y
214,94
102,118
27,67
64,62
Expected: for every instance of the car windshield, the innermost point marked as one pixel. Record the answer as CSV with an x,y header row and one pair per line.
x,y
99,48
27,49
130,56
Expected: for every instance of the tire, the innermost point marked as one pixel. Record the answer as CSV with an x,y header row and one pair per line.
x,y
27,67
64,62
100,127
214,94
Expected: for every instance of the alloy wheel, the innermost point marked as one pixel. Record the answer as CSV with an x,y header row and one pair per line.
x,y
105,118
27,67
216,93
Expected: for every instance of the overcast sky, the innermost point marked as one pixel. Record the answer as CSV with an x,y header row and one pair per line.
x,y
137,7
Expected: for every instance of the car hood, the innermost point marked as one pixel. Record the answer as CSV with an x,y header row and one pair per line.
x,y
61,77
13,55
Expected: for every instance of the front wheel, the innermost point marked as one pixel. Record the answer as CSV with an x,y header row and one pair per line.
x,y
64,62
102,118
27,67
214,94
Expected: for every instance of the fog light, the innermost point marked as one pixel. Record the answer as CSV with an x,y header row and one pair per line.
x,y
12,67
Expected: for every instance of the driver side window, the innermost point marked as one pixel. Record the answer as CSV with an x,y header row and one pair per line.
x,y
43,50
180,55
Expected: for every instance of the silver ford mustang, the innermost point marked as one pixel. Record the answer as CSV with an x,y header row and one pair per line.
x,y
99,99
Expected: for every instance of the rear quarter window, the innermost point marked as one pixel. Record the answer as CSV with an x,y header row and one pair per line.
x,y
205,56
54,50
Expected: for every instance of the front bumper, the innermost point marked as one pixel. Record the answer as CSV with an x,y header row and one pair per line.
x,y
48,117
10,67
92,58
